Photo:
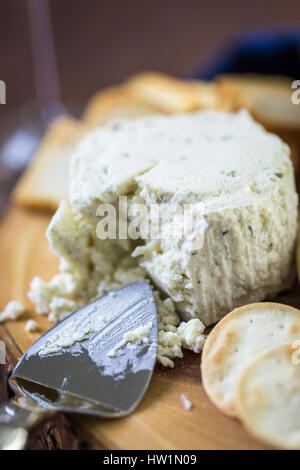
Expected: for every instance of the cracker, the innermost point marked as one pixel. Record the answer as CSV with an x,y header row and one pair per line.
x,y
113,103
149,93
44,183
268,98
168,94
164,93
237,340
206,96
269,398
171,95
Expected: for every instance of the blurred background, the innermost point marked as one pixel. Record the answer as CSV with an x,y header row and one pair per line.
x,y
100,42
63,51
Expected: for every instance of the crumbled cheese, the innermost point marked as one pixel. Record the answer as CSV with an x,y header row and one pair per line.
x,y
31,326
187,405
45,294
191,334
13,310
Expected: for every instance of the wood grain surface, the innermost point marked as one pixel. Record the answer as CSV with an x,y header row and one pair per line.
x,y
160,422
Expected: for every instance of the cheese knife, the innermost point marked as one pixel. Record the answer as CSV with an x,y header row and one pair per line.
x,y
97,361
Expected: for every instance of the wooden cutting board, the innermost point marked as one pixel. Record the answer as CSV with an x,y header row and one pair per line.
x,y
160,422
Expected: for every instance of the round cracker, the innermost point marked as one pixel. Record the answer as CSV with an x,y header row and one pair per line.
x,y
237,340
269,397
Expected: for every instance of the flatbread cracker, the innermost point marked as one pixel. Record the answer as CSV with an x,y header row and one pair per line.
x,y
164,93
170,95
113,103
206,96
149,93
268,98
269,398
237,340
44,183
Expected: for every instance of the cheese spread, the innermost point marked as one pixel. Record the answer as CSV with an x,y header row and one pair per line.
x,y
138,335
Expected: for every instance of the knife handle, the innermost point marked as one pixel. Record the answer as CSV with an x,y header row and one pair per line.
x,y
15,422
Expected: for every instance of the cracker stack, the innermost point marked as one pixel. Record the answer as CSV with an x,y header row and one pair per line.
x,y
251,370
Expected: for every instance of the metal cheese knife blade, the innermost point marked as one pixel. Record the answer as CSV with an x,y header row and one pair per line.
x,y
97,361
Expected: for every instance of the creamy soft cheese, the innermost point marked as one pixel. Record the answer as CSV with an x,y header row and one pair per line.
x,y
242,176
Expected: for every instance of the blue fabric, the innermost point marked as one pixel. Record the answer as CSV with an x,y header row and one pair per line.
x,y
264,52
